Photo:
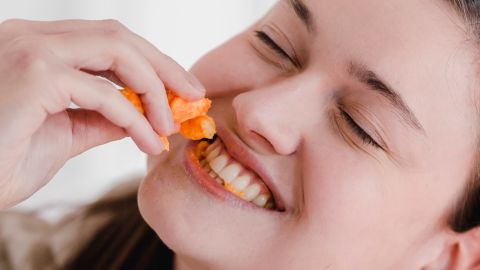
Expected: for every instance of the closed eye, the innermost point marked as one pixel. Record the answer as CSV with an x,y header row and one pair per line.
x,y
359,131
267,40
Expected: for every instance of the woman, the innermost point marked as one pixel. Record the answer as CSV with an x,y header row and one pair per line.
x,y
356,121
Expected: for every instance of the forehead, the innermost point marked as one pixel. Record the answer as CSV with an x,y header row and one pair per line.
x,y
419,47
427,31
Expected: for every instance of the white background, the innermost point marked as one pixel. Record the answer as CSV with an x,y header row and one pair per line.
x,y
183,29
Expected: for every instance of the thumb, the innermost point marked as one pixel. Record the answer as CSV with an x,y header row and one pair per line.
x,y
90,129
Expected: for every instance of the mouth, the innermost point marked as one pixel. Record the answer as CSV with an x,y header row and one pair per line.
x,y
221,171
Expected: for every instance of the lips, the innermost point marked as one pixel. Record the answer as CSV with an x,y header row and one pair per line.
x,y
240,152
259,191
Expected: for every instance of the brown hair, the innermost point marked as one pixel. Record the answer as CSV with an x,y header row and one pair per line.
x,y
125,241
466,214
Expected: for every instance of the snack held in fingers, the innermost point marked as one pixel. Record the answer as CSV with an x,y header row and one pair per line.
x,y
185,110
197,128
134,99
192,116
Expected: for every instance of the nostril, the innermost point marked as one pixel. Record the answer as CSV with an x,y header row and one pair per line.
x,y
264,144
280,146
261,144
261,129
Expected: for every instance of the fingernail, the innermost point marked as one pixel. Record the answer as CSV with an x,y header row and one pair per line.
x,y
160,145
165,143
195,82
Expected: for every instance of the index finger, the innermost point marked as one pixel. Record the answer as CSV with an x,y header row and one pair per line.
x,y
173,75
90,51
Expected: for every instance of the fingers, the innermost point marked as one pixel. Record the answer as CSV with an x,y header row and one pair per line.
x,y
109,49
109,75
126,62
99,95
174,76
90,129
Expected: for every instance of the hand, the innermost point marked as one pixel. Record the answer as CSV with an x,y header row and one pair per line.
x,y
46,66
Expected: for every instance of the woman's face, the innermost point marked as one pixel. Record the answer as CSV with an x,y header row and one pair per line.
x,y
360,118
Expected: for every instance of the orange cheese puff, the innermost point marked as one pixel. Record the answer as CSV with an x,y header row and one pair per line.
x,y
133,98
170,96
199,151
184,110
198,128
194,123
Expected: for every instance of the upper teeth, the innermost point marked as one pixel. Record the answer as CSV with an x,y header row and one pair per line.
x,y
230,173
234,176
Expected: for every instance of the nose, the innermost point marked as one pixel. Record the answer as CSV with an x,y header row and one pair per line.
x,y
271,120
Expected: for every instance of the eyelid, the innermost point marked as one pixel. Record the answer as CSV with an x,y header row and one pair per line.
x,y
339,125
359,130
265,53
281,41
372,129
273,45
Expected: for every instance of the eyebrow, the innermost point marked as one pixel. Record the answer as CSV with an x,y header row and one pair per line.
x,y
361,73
368,77
303,13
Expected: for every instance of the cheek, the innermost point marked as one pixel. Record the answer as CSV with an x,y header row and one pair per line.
x,y
355,203
341,193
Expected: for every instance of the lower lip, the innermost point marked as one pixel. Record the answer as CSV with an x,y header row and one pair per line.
x,y
198,175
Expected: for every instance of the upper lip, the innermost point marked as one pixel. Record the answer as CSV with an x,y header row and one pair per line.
x,y
240,152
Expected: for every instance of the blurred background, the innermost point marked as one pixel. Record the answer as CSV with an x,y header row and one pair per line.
x,y
182,29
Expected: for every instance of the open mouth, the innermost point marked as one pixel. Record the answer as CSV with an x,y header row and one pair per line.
x,y
232,175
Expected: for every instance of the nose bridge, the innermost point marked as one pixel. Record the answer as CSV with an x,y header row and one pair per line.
x,y
279,113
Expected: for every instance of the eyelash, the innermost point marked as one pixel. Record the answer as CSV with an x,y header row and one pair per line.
x,y
267,40
367,139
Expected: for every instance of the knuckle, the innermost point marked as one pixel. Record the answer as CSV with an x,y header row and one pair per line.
x,y
25,53
122,52
131,122
121,48
169,60
157,96
113,28
173,66
11,23
106,95
136,122
56,99
9,29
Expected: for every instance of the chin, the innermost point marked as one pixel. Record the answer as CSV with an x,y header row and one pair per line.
x,y
164,200
197,224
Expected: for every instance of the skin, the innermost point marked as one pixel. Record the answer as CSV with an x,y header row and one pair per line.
x,y
46,66
349,205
